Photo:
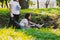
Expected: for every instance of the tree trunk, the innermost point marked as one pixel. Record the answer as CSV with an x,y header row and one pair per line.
x,y
28,2
6,4
24,4
37,3
47,3
2,5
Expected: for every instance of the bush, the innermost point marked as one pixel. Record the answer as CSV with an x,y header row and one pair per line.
x,y
50,17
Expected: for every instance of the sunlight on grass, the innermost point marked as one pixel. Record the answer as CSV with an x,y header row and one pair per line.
x,y
29,34
57,32
10,34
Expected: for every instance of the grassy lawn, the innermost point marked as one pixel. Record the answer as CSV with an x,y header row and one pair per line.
x,y
30,34
48,16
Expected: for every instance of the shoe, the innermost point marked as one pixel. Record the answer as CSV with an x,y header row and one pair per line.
x,y
39,25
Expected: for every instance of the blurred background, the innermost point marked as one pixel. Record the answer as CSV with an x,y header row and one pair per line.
x,y
33,3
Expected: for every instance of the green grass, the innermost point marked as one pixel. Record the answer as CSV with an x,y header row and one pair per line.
x,y
30,34
46,15
37,34
43,33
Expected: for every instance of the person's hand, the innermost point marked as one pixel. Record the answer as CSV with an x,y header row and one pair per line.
x,y
12,15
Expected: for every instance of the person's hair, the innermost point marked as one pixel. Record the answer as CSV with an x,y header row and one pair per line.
x,y
27,15
14,0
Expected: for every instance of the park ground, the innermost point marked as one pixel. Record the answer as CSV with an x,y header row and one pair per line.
x,y
49,16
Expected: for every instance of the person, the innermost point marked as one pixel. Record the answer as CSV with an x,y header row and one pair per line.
x,y
14,12
26,23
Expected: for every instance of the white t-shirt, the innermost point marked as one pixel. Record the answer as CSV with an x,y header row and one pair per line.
x,y
15,7
22,23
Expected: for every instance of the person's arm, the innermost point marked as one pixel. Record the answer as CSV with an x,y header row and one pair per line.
x,y
11,9
32,23
19,5
26,25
